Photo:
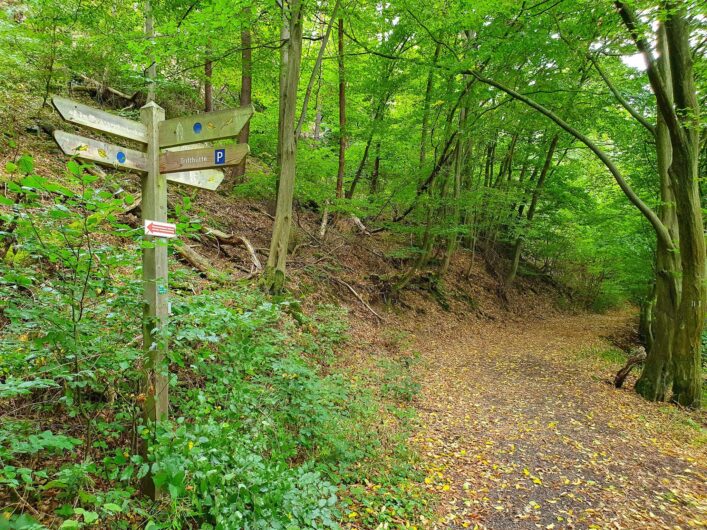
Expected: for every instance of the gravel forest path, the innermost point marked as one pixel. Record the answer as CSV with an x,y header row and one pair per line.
x,y
521,429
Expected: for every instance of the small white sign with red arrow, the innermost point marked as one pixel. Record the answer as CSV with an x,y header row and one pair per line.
x,y
160,229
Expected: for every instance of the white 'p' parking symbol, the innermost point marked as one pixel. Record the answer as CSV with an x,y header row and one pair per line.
x,y
220,156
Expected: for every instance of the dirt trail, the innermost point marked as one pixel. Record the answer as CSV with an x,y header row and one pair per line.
x,y
521,430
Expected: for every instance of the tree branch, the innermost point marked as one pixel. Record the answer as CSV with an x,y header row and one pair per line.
x,y
648,213
625,104
317,66
665,105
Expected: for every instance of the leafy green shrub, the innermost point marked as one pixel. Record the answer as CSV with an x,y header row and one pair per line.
x,y
398,381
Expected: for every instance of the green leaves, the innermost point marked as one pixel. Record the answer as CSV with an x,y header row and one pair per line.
x,y
74,168
13,387
25,164
88,517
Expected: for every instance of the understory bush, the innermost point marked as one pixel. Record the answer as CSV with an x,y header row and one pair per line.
x,y
264,431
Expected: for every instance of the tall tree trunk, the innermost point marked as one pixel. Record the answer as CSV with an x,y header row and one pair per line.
x,y
284,64
684,175
375,174
377,116
316,74
424,132
676,97
246,89
274,278
52,58
456,196
518,247
208,86
152,67
507,162
656,379
317,133
342,115
428,240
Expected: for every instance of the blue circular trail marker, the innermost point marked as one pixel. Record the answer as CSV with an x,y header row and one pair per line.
x,y
121,157
197,128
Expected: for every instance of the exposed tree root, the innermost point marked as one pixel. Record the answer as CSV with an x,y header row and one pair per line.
x,y
638,355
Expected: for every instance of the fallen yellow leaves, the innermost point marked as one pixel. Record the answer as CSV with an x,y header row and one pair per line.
x,y
517,427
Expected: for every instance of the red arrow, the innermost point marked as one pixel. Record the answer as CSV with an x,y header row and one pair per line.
x,y
163,229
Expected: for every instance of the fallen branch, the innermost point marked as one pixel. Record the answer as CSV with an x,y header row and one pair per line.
x,y
263,212
199,262
233,239
637,357
360,225
103,91
353,291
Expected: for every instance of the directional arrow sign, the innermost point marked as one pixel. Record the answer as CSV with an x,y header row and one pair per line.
x,y
99,120
207,157
101,152
160,229
204,127
129,159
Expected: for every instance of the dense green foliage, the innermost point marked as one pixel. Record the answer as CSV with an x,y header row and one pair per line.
x,y
583,229
266,433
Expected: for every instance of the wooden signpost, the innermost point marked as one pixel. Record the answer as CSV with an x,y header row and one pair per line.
x,y
101,152
187,164
133,160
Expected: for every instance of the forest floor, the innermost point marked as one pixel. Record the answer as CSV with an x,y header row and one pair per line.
x,y
521,428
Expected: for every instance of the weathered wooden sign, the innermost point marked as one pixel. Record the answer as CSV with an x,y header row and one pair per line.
x,y
182,166
204,158
100,152
208,179
99,120
204,127
129,159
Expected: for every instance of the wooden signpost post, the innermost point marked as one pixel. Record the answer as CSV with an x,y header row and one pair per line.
x,y
193,167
